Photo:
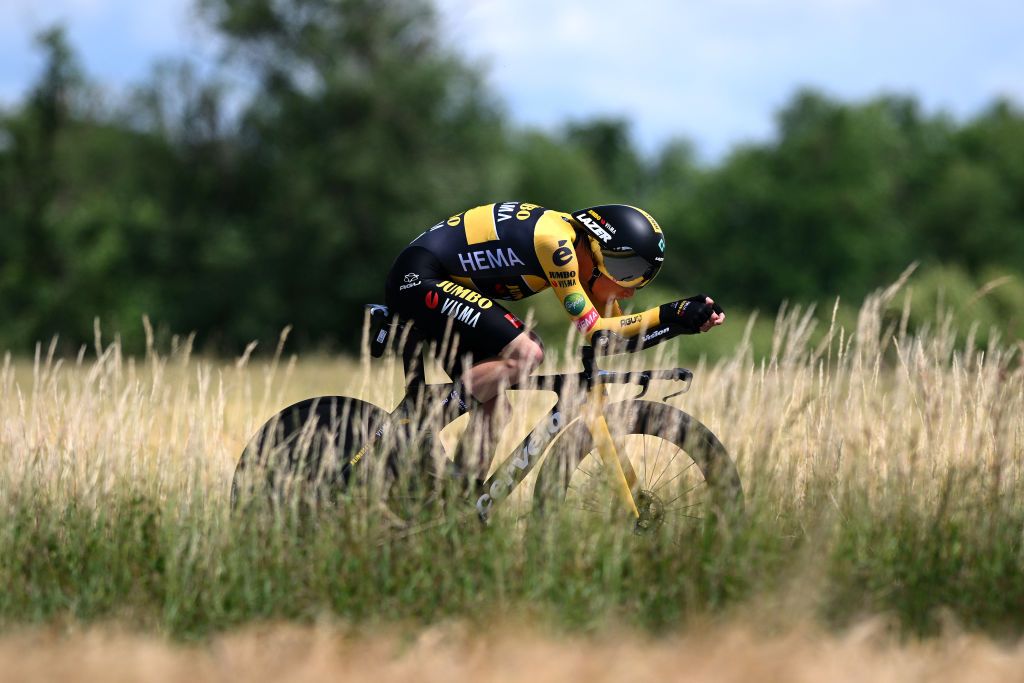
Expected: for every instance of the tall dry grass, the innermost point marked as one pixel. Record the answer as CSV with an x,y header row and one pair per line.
x,y
882,467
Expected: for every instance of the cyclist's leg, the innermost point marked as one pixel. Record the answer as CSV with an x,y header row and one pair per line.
x,y
479,341
485,380
515,362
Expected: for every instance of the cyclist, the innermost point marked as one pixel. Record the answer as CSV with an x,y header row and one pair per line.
x,y
448,280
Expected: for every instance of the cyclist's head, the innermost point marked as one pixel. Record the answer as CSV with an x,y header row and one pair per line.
x,y
626,242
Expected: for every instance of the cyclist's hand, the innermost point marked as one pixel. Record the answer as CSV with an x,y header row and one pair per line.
x,y
692,315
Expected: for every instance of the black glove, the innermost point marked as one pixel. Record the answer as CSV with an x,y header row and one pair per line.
x,y
689,314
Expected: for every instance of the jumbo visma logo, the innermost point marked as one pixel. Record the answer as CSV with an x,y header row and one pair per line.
x,y
467,294
575,303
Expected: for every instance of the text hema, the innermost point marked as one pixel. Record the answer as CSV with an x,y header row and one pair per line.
x,y
489,259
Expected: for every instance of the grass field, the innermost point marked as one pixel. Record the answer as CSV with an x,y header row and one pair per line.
x,y
452,653
882,469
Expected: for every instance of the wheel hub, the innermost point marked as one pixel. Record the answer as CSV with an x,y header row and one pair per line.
x,y
652,512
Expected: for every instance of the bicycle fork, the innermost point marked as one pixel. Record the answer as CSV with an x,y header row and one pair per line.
x,y
620,470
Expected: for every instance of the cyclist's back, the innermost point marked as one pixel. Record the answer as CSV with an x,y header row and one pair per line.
x,y
492,248
449,277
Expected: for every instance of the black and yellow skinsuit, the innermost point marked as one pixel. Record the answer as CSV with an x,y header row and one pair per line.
x,y
452,274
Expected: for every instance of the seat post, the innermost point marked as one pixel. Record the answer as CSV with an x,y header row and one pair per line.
x,y
413,360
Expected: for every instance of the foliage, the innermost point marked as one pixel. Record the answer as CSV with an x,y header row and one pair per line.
x,y
234,214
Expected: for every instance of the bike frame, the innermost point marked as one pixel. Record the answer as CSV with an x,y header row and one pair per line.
x,y
524,457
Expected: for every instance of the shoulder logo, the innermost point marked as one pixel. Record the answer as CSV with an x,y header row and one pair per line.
x,y
521,210
562,254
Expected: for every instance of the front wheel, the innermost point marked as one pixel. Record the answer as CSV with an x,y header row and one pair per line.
x,y
682,470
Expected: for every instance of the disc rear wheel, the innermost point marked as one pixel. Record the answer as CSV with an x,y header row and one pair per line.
x,y
309,452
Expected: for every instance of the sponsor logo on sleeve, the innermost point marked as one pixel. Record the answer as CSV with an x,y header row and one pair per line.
x,y
431,299
562,254
629,320
654,335
562,278
514,321
556,274
411,280
587,322
575,303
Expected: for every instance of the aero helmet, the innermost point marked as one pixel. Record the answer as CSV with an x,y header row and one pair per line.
x,y
627,242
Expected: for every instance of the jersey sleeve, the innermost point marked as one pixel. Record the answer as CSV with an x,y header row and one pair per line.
x,y
553,243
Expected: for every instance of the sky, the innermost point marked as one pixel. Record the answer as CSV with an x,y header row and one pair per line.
x,y
712,72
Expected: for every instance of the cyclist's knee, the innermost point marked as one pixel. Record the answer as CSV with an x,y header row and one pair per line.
x,y
526,351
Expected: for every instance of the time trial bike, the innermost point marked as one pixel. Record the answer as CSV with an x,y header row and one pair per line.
x,y
643,459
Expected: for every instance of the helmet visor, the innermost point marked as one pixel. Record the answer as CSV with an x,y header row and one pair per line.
x,y
628,268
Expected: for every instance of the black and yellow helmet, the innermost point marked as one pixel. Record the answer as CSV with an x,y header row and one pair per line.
x,y
627,242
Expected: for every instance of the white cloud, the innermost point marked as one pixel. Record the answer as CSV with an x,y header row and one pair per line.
x,y
717,71
162,23
714,71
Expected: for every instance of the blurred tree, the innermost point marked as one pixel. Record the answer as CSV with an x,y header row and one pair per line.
x,y
977,208
235,213
674,197
608,146
823,210
364,132
30,271
550,173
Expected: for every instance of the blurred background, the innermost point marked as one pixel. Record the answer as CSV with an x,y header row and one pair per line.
x,y
230,167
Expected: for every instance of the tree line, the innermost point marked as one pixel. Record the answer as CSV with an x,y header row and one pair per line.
x,y
235,211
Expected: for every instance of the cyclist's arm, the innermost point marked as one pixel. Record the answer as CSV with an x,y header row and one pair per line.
x,y
561,269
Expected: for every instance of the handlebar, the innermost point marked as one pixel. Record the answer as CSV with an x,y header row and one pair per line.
x,y
644,377
606,343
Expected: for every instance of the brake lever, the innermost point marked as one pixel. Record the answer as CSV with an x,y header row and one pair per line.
x,y
645,384
684,376
641,378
